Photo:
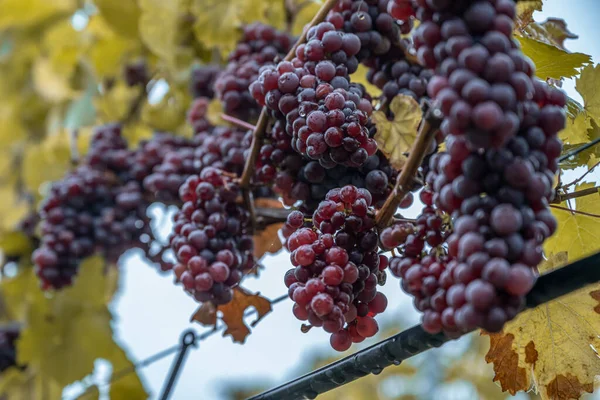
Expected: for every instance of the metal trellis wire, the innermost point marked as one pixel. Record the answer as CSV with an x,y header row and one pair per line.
x,y
415,340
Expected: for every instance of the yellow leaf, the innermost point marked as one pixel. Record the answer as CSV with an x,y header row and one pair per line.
x,y
588,86
525,10
306,12
114,104
558,31
121,15
163,26
576,129
51,84
11,127
68,330
15,13
63,45
360,76
577,234
552,346
134,134
218,22
168,114
593,161
15,244
396,137
48,161
552,62
13,209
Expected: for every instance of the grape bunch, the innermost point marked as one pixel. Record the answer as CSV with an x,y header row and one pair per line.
x,y
395,75
495,179
202,81
220,147
260,45
88,211
337,267
369,20
211,238
326,115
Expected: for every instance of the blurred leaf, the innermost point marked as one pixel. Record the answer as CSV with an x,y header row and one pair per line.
x,y
163,28
218,23
168,114
17,13
304,15
552,346
67,332
578,234
121,15
13,209
114,104
233,313
15,244
49,83
588,85
81,112
395,138
552,62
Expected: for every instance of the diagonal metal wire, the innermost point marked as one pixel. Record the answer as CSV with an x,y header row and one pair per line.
x,y
167,352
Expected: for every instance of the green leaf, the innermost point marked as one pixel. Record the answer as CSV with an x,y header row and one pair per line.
x,y
552,62
81,112
15,244
588,85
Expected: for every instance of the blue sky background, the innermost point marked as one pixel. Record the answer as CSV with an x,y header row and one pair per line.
x,y
151,311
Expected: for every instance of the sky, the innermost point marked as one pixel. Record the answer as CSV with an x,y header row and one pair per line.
x,y
151,312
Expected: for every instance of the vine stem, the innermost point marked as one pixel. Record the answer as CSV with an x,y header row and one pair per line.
x,y
429,126
263,119
73,135
238,122
576,181
578,150
575,195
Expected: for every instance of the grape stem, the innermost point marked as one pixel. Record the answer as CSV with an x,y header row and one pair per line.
x,y
238,122
559,198
575,211
73,134
263,120
427,131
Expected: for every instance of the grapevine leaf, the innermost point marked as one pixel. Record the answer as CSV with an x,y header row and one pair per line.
x,y
121,15
15,244
576,129
218,23
557,29
551,61
587,85
267,240
578,234
525,10
360,76
20,13
395,138
163,27
206,314
233,313
13,209
51,84
552,346
66,332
